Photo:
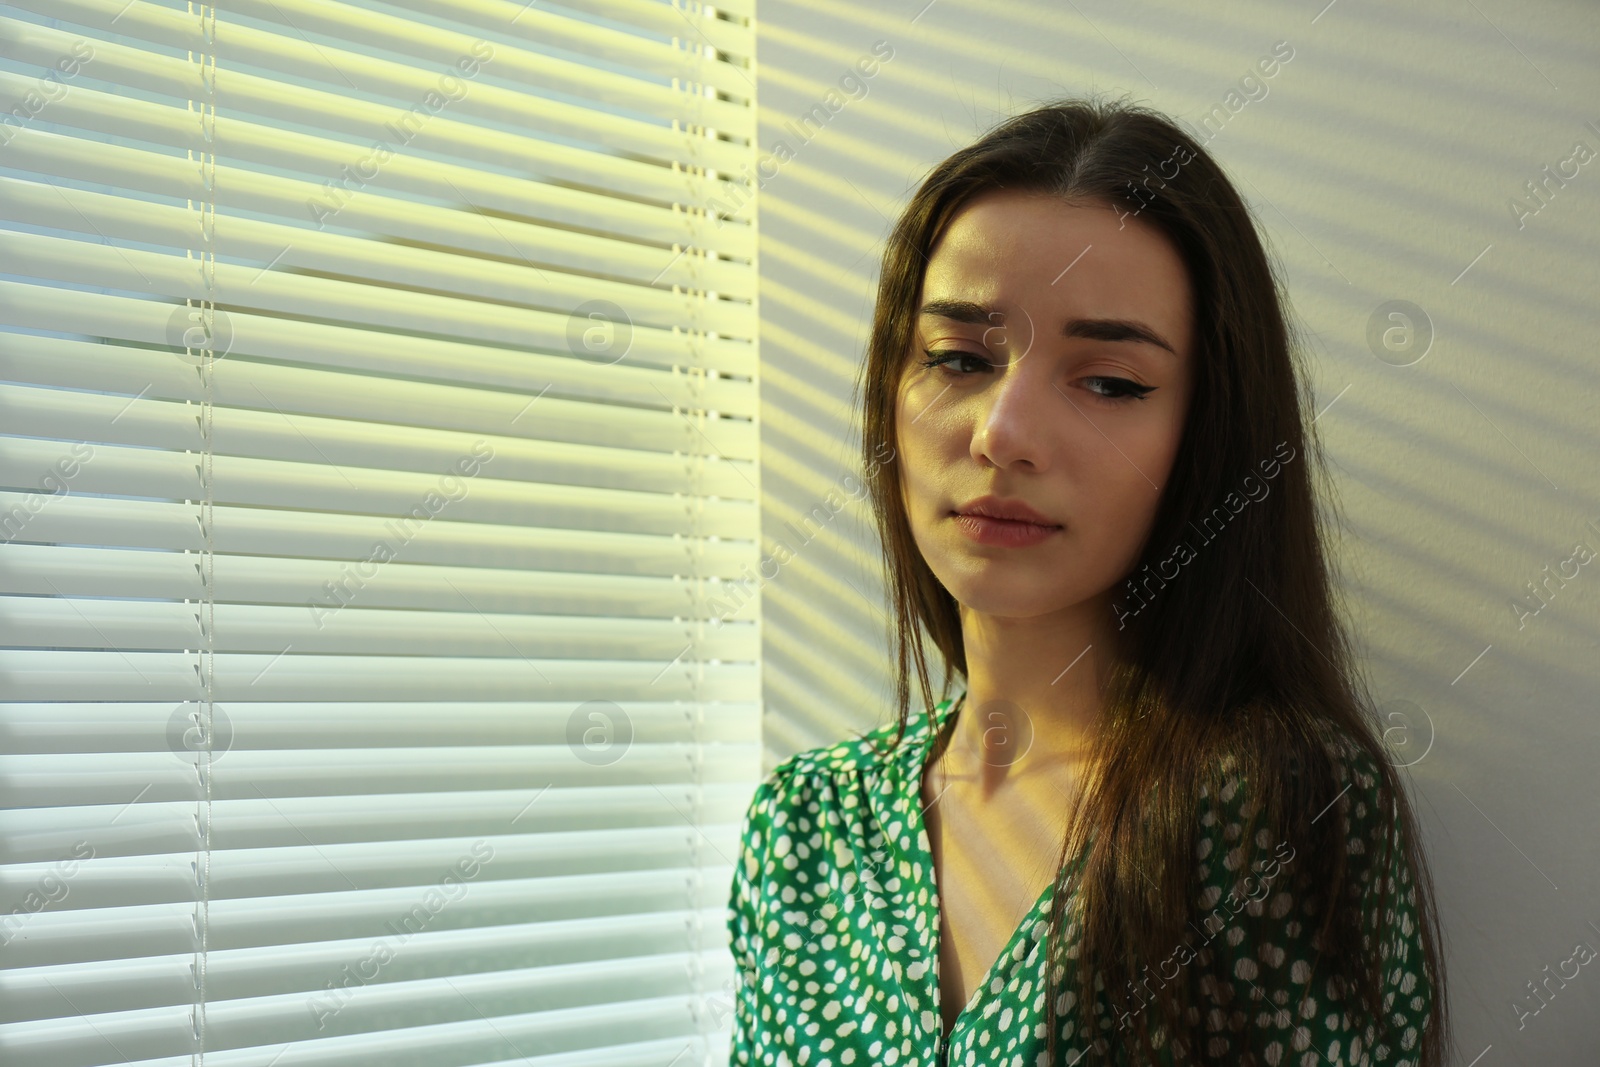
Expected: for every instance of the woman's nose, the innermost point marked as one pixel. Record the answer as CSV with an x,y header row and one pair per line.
x,y
1013,422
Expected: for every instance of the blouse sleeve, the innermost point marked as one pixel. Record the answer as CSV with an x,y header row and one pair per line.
x,y
1265,1012
744,922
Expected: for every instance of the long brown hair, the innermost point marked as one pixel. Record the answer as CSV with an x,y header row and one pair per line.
x,y
1240,664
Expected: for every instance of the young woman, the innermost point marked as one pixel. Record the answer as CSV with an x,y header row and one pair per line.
x,y
1156,825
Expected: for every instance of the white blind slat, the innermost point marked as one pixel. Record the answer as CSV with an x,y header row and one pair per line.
x,y
361,258
96,675
337,70
64,261
424,46
76,520
82,572
384,210
169,372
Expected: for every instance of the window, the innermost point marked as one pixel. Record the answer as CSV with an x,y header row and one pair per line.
x,y
377,420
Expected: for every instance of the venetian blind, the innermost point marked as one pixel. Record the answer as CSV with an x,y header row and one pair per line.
x,y
377,400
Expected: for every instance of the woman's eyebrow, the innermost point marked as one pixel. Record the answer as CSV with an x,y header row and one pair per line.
x,y
1127,330
1115,330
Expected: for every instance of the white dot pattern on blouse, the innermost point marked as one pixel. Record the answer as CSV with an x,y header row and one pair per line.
x,y
833,916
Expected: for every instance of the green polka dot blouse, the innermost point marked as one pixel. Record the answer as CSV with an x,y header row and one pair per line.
x,y
834,919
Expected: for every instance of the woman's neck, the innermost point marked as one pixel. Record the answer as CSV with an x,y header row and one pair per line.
x,y
1034,696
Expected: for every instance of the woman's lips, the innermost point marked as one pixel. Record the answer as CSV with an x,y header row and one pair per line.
x,y
1006,533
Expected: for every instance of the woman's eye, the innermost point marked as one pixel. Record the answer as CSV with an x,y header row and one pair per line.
x,y
936,359
1119,389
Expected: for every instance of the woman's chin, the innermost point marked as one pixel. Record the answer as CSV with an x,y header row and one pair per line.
x,y
1020,600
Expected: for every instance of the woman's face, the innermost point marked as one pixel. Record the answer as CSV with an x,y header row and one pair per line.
x,y
1063,315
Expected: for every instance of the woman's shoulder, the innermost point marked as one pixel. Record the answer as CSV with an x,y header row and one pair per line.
x,y
824,768
828,792
1233,835
1268,985
1354,767
852,778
